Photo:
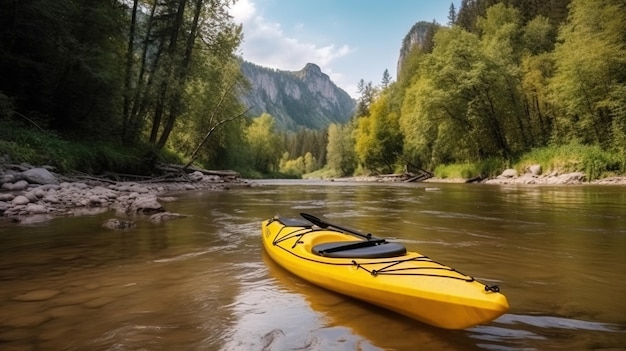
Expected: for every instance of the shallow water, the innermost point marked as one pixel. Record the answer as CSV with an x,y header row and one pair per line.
x,y
204,282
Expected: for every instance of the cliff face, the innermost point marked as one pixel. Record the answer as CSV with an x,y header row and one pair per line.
x,y
305,98
419,37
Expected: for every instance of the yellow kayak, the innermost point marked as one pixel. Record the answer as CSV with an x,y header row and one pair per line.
x,y
380,272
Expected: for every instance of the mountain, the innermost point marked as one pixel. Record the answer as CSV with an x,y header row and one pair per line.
x,y
300,99
420,36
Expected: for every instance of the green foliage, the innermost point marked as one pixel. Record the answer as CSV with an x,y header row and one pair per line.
x,y
487,168
378,136
322,173
340,150
47,148
6,107
590,159
263,142
588,84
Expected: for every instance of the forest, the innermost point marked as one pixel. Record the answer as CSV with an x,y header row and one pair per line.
x,y
503,84
119,85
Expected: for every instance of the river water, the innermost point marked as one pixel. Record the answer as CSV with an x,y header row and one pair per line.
x,y
204,282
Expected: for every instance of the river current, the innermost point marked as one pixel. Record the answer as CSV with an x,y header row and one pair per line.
x,y
204,282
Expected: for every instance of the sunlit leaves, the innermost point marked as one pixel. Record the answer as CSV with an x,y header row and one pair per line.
x,y
263,143
591,71
340,150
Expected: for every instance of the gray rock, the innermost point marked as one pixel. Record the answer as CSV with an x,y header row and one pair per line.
x,y
19,185
509,173
6,197
195,176
20,200
36,209
39,193
94,200
51,198
31,197
145,205
535,170
39,176
7,178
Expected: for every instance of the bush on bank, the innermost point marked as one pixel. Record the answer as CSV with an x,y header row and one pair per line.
x,y
38,147
593,161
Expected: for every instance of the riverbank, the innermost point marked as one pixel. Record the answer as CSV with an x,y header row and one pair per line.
x,y
32,194
507,177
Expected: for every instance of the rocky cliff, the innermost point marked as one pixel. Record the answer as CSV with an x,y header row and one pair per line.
x,y
419,37
305,98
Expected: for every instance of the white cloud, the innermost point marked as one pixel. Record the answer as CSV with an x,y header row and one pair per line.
x,y
242,11
267,44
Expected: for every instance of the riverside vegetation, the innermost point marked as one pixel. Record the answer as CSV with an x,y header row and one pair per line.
x,y
119,86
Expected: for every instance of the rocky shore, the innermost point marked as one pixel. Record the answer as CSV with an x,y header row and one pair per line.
x,y
532,176
30,194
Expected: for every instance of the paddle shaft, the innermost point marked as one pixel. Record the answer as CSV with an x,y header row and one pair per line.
x,y
320,223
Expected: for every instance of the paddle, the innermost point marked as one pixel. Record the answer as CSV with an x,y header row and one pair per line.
x,y
320,223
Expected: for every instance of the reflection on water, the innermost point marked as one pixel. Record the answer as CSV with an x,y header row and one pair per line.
x,y
204,283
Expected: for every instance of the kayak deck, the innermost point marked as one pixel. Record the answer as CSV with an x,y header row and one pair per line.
x,y
382,273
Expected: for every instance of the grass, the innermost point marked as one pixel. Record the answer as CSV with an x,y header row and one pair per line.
x,y
487,168
591,160
38,147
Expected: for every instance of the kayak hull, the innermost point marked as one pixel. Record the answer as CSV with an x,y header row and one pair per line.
x,y
410,284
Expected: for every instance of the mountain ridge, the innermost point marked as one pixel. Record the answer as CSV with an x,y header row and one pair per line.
x,y
296,99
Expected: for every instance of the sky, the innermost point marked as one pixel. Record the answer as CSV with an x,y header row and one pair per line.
x,y
349,39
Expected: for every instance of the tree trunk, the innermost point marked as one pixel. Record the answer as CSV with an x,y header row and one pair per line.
x,y
164,86
129,70
181,78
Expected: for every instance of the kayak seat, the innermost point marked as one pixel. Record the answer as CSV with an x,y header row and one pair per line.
x,y
360,249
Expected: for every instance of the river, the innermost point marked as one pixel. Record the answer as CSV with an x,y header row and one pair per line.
x,y
204,283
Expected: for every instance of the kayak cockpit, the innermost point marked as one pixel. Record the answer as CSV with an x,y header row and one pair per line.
x,y
370,248
359,249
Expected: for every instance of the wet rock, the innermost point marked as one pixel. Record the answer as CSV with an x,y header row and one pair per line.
x,y
145,205
165,216
117,224
39,176
37,295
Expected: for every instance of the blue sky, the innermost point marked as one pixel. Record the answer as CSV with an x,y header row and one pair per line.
x,y
349,39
